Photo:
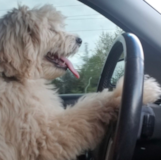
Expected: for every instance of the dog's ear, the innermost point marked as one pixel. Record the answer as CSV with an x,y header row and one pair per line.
x,y
28,21
33,31
19,35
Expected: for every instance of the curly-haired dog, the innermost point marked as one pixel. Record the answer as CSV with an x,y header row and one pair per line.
x,y
33,123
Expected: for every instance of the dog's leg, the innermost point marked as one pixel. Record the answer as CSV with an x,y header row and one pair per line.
x,y
151,91
83,126
7,152
80,127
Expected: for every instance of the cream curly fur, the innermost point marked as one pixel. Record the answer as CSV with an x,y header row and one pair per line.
x,y
33,123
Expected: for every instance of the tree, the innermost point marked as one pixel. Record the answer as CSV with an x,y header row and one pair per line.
x,y
90,71
118,73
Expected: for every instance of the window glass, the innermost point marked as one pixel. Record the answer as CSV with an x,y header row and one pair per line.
x,y
97,33
118,71
156,4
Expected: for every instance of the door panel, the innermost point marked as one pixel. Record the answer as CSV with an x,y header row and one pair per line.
x,y
70,99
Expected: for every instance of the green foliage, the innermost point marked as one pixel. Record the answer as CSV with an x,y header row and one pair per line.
x,y
90,71
119,73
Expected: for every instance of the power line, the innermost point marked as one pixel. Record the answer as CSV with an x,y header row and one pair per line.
x,y
93,30
84,15
69,6
60,6
84,19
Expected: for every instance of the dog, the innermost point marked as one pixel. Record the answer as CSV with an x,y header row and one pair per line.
x,y
33,124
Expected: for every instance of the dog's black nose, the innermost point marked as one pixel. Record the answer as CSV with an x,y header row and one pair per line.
x,y
79,40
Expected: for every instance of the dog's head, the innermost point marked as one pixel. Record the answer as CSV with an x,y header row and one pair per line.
x,y
33,43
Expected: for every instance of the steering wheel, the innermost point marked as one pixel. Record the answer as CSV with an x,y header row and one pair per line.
x,y
121,146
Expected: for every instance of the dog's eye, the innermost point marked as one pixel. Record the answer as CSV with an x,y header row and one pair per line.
x,y
28,30
51,29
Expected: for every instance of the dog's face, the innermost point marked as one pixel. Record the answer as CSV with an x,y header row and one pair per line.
x,y
33,44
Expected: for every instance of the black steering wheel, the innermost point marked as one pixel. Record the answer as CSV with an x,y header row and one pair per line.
x,y
121,145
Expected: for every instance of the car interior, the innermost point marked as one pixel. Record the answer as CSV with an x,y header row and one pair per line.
x,y
141,19
137,50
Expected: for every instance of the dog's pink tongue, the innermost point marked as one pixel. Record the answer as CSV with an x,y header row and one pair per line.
x,y
70,66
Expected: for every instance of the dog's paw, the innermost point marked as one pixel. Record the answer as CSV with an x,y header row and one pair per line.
x,y
112,98
152,90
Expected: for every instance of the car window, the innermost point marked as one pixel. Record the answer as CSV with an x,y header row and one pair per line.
x,y
155,4
97,32
118,71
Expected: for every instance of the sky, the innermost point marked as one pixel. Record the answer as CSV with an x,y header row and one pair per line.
x,y
82,20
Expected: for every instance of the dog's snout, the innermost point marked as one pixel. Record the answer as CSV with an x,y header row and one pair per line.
x,y
79,40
